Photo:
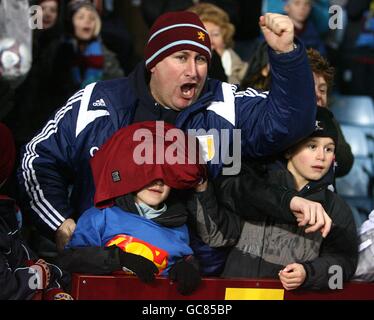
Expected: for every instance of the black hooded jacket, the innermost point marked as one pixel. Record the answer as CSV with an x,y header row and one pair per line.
x,y
15,275
266,240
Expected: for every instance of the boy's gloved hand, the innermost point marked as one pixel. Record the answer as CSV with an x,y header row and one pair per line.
x,y
144,269
187,276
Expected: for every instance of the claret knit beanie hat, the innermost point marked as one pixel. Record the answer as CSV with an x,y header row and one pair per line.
x,y
116,171
175,31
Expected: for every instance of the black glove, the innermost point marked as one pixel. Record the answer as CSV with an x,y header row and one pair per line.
x,y
187,276
142,267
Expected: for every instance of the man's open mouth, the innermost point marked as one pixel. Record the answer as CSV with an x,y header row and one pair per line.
x,y
188,90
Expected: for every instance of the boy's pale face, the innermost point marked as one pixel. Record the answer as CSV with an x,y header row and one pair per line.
x,y
312,160
320,87
84,21
216,37
154,194
177,80
298,10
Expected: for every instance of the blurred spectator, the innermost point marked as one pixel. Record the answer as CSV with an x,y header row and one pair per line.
x,y
299,12
221,32
50,13
37,97
319,15
83,58
114,32
14,28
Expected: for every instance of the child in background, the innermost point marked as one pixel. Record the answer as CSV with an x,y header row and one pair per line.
x,y
139,214
22,274
221,32
84,55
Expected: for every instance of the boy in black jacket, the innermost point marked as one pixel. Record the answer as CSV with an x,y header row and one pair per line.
x,y
267,247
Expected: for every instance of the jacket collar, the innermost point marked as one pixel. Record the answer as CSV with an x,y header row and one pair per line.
x,y
280,168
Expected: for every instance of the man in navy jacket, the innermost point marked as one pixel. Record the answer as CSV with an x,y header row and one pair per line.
x,y
172,86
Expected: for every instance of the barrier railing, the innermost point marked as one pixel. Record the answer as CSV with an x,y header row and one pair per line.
x,y
127,287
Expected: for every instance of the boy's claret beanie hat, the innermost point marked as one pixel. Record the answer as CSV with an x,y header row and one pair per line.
x,y
139,154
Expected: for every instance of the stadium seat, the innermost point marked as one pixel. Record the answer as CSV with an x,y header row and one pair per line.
x,y
361,206
358,182
354,110
357,139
